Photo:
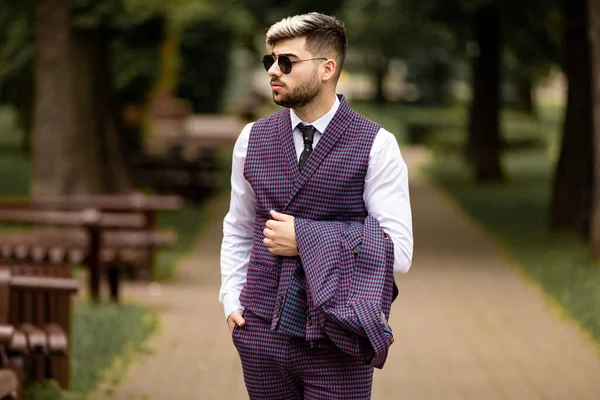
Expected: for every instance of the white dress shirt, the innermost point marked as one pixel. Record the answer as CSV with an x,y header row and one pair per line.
x,y
385,195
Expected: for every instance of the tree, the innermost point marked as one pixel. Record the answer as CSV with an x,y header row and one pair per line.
x,y
573,178
54,117
78,148
593,9
533,46
381,31
484,144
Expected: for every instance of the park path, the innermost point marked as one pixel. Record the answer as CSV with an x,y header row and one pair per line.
x,y
468,324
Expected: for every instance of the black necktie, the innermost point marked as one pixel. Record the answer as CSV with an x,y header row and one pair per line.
x,y
308,134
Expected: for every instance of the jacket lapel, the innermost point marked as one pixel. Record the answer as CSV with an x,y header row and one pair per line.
x,y
333,132
286,138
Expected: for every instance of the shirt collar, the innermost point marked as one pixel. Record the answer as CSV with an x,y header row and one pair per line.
x,y
321,123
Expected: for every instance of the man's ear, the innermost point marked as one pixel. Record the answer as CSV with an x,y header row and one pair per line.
x,y
330,69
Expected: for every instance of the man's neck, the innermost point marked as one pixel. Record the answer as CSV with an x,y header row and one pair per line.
x,y
316,108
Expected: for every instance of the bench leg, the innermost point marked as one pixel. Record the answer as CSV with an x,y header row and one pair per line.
x,y
94,262
113,282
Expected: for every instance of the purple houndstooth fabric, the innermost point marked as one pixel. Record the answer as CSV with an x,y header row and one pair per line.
x,y
329,188
349,271
277,366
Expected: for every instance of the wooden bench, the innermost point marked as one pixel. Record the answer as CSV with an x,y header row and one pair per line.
x,y
10,384
35,321
97,242
192,178
181,151
135,203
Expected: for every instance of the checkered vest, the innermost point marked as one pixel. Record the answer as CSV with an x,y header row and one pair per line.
x,y
329,188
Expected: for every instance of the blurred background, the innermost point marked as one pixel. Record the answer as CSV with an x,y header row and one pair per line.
x,y
495,104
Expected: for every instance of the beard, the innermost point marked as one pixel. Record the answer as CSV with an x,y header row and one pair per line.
x,y
301,95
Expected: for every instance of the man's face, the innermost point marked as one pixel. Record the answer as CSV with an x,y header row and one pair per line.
x,y
302,84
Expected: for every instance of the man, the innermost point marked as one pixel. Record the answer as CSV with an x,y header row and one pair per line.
x,y
317,164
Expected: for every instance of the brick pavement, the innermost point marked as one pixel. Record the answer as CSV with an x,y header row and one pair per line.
x,y
468,325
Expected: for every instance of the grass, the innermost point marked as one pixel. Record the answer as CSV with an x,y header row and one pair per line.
x,y
445,127
516,213
187,223
105,339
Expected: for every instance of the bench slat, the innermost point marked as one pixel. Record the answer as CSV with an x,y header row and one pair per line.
x,y
73,218
127,203
44,283
9,383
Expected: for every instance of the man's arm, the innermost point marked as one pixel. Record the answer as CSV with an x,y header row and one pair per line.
x,y
237,230
386,197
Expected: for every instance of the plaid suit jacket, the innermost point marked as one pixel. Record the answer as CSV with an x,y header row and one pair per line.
x,y
349,275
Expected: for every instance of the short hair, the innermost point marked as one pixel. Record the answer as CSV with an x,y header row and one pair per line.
x,y
324,35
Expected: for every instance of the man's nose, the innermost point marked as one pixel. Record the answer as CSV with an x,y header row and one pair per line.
x,y
275,71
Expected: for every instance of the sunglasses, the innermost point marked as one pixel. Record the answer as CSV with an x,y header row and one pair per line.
x,y
284,62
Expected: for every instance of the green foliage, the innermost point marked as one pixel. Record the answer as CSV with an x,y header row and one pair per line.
x,y
432,37
15,167
16,53
135,56
394,28
533,37
49,390
205,51
444,129
134,30
102,332
267,12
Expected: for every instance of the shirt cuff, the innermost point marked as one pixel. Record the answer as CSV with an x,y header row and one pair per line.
x,y
231,302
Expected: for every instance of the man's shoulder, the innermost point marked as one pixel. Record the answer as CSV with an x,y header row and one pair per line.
x,y
269,119
363,121
376,128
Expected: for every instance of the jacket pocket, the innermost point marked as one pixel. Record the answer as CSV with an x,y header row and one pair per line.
x,y
353,237
260,290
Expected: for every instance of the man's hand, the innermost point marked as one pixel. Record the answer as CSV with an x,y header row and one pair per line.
x,y
235,318
280,235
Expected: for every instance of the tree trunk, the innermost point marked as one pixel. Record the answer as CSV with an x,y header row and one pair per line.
x,y
484,145
573,178
54,123
525,101
26,113
594,35
380,72
440,79
98,120
76,149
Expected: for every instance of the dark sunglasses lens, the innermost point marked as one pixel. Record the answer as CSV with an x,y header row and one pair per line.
x,y
285,64
268,61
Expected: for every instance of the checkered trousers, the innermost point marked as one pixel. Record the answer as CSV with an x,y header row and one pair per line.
x,y
280,367
329,188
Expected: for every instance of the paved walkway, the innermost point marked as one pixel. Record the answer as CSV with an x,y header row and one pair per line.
x,y
468,325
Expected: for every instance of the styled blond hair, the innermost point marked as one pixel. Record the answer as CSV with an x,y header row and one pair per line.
x,y
325,35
